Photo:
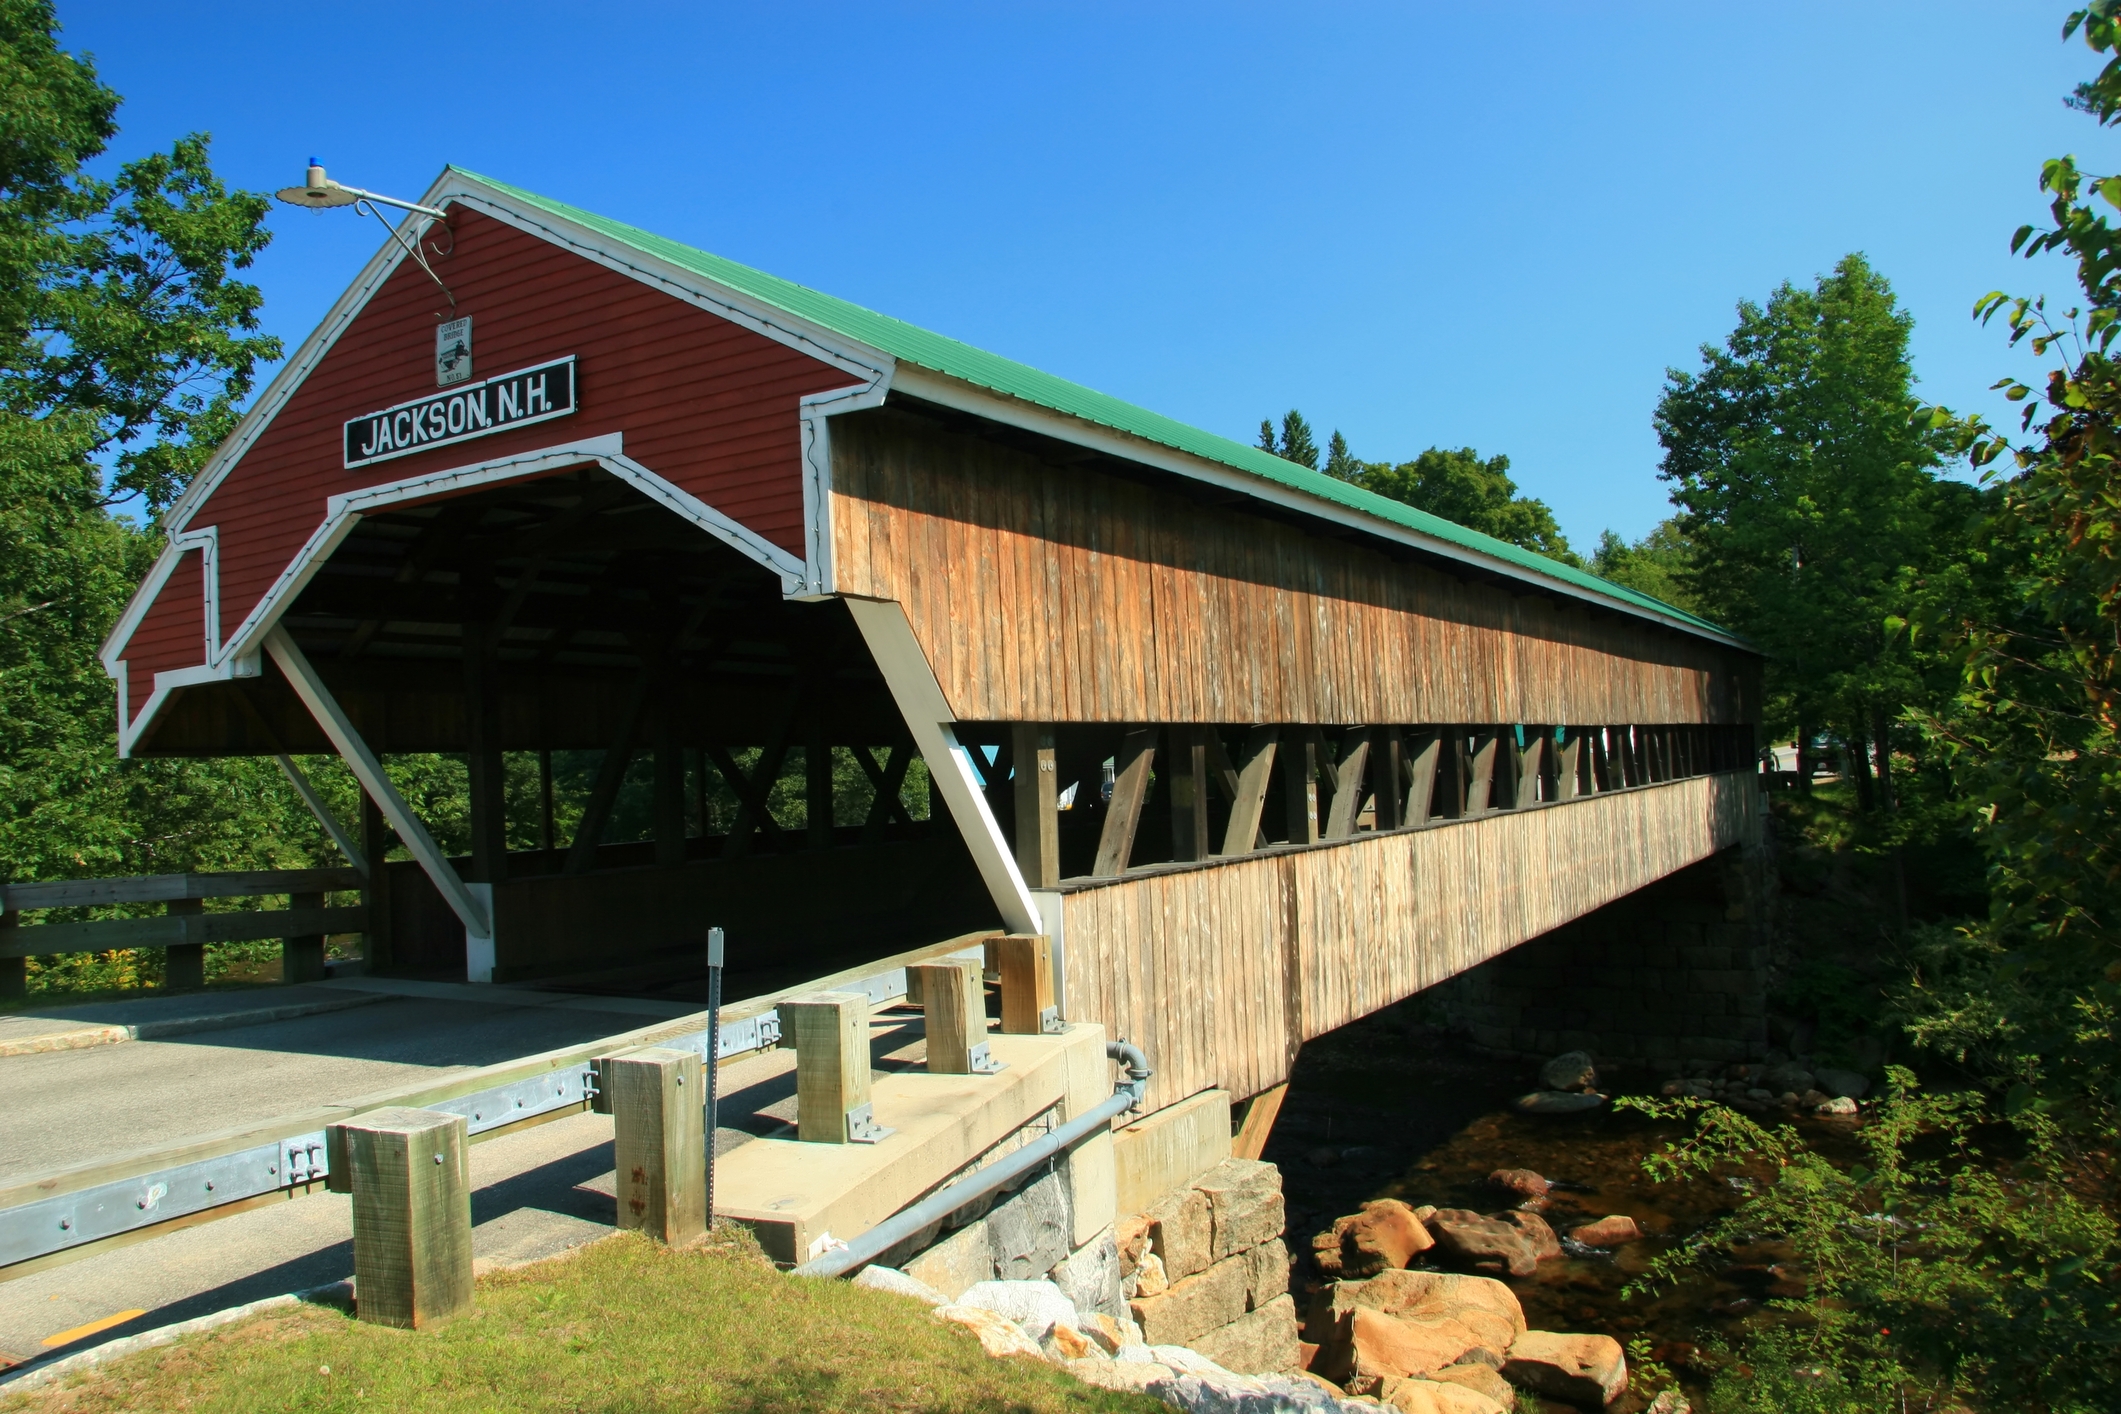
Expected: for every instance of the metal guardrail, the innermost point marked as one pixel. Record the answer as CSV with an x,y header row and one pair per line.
x,y
153,1192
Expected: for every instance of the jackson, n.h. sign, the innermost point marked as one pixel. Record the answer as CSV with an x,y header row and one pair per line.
x,y
477,410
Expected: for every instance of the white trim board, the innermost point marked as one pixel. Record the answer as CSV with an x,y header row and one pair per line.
x,y
928,716
239,656
217,666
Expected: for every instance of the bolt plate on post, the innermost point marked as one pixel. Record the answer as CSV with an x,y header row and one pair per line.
x,y
862,1127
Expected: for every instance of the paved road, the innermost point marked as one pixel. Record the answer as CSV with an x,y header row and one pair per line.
x,y
537,1192
62,1108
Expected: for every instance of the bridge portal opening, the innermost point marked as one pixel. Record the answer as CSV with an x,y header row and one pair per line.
x,y
634,736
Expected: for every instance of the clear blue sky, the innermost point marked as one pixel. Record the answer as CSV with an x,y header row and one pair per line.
x,y
1422,224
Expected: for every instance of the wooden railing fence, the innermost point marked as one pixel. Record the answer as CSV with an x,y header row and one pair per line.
x,y
185,928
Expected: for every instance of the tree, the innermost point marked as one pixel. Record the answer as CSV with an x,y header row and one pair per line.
x,y
125,345
1812,500
1296,443
1659,564
2034,732
1462,487
1340,462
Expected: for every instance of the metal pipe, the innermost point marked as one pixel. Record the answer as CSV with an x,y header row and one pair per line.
x,y
843,1261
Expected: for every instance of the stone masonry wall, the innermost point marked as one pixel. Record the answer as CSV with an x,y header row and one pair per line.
x,y
1674,972
1205,1267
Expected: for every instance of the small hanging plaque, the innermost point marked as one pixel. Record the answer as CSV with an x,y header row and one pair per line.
x,y
453,352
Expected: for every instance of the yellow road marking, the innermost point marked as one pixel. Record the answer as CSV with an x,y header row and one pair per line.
x,y
81,1332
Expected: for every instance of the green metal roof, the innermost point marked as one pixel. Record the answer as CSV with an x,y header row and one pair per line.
x,y
911,344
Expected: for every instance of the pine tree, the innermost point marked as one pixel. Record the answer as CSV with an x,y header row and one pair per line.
x,y
1297,444
1340,462
1266,436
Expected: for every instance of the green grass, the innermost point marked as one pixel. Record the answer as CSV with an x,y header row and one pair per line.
x,y
621,1325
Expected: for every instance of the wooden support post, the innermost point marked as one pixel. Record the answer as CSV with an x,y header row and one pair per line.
x,y
659,1142
1349,774
1026,964
545,801
831,1033
611,774
1037,800
1123,812
1300,771
817,780
302,958
184,964
1187,763
1573,766
954,1003
14,971
1388,777
889,783
667,808
411,1176
1249,799
1480,779
482,722
1250,1140
375,846
1454,768
1531,765
1423,758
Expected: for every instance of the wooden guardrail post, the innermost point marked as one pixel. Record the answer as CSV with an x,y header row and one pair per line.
x,y
954,1001
14,971
302,958
831,1033
1027,984
184,964
659,1141
411,1176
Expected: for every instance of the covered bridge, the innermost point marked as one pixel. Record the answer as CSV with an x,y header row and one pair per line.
x,y
1260,752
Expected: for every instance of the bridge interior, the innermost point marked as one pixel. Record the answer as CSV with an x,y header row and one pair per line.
x,y
606,670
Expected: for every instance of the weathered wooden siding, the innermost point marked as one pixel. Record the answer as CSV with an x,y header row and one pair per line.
x,y
172,634
1219,971
1056,594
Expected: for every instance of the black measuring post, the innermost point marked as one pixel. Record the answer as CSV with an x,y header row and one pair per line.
x,y
714,1053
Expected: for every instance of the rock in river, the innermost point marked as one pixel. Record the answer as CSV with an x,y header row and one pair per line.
x,y
1571,1070
1384,1235
1544,1243
1483,1244
1557,1102
1613,1230
1576,1369
1522,1184
1841,1083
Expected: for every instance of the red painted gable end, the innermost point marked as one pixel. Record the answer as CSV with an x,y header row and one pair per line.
x,y
704,403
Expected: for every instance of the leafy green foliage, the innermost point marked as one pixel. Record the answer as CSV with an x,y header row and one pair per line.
x,y
1660,565
124,346
1461,486
1937,1269
1473,491
2032,731
117,301
1809,499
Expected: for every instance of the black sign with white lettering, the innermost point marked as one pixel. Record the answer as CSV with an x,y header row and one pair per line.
x,y
475,410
